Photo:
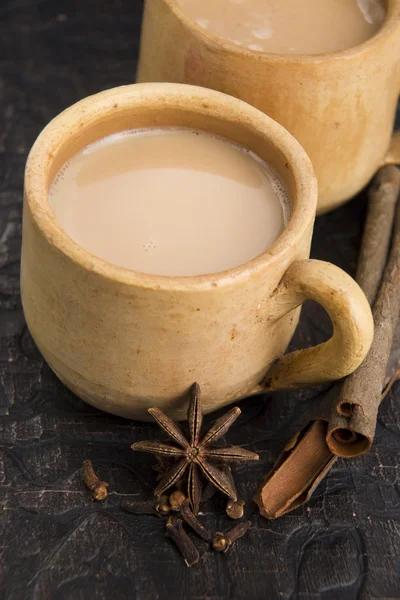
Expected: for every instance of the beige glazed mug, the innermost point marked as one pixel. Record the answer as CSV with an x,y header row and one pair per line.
x,y
339,106
125,341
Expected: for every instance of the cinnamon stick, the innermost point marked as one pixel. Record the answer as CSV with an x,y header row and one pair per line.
x,y
378,226
353,418
306,460
301,466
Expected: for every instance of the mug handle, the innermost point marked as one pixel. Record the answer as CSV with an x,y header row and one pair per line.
x,y
349,312
393,155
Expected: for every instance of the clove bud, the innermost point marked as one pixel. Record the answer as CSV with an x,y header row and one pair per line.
x,y
96,487
193,521
175,531
163,506
156,506
235,510
176,500
223,541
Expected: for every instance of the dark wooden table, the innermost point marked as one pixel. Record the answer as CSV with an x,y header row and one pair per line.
x,y
54,542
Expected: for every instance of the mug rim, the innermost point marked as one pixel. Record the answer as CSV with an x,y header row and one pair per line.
x,y
208,102
389,25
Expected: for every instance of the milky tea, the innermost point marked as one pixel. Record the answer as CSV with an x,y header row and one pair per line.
x,y
289,26
170,201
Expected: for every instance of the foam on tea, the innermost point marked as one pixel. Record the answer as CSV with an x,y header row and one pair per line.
x,y
289,26
170,202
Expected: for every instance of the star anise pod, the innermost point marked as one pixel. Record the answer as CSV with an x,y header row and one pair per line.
x,y
194,452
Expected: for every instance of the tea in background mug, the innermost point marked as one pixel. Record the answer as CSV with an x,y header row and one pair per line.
x,y
340,106
125,341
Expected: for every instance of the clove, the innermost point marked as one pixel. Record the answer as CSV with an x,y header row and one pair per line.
x,y
193,522
223,541
162,505
175,531
235,510
97,487
176,500
157,506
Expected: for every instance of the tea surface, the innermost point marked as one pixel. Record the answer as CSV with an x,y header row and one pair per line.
x,y
289,26
170,202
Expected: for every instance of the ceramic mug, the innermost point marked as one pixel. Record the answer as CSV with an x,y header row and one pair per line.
x,y
340,106
126,341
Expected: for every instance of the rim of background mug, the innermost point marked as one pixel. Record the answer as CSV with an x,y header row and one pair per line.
x,y
94,108
389,25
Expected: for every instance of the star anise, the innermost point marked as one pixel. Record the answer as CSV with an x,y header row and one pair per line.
x,y
194,452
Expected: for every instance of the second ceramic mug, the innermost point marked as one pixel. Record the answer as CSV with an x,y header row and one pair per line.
x,y
125,341
339,106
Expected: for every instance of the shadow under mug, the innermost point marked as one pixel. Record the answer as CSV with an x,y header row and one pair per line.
x,y
125,341
340,106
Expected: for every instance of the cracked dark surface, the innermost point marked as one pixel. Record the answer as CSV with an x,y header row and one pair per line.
x,y
54,542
